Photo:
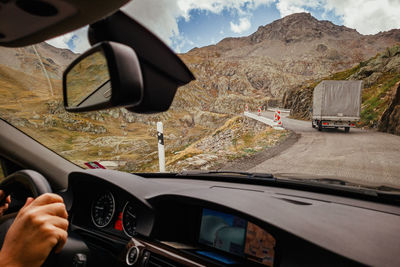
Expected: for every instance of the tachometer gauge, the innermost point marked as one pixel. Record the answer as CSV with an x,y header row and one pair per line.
x,y
103,209
129,219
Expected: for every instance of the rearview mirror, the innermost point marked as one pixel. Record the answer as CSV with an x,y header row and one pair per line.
x,y
107,75
163,71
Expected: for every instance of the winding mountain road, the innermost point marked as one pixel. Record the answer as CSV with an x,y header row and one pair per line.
x,y
360,156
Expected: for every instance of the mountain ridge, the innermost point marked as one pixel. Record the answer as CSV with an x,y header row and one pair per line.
x,y
306,28
277,57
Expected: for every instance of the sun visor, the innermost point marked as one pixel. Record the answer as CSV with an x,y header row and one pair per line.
x,y
26,22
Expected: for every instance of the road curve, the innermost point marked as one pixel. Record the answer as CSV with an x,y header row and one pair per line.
x,y
360,156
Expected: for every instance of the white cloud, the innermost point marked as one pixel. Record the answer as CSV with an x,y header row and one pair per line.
x,y
179,43
366,16
61,41
289,7
161,16
244,25
77,39
217,6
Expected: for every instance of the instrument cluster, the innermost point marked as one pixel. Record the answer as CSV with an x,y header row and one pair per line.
x,y
105,211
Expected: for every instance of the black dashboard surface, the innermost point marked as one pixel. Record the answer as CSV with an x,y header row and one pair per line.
x,y
309,228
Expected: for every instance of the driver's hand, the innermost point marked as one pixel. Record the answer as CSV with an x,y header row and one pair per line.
x,y
40,225
5,203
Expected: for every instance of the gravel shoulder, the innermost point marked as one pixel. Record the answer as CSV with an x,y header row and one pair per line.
x,y
245,164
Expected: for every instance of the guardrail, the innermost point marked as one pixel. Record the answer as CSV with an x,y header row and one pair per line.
x,y
263,120
281,109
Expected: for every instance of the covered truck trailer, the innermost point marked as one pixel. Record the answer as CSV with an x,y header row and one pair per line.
x,y
336,104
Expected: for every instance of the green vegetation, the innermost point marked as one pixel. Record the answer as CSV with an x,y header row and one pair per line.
x,y
375,99
379,81
343,75
248,139
250,150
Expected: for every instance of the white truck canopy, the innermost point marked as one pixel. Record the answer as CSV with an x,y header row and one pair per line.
x,y
337,99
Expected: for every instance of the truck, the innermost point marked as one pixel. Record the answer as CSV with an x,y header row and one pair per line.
x,y
336,104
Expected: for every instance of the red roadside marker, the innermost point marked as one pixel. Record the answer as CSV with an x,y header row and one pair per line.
x,y
94,165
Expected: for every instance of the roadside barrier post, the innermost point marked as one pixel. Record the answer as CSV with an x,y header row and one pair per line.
x,y
278,118
259,111
246,108
161,150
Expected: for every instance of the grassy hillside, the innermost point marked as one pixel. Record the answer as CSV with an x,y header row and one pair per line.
x,y
127,140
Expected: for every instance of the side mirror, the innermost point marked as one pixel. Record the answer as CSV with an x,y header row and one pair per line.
x,y
107,75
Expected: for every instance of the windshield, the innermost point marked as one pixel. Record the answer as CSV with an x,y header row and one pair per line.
x,y
307,95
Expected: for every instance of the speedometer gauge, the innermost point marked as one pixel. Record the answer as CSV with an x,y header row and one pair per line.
x,y
103,209
129,219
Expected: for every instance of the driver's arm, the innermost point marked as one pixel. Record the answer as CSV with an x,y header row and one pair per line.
x,y
40,225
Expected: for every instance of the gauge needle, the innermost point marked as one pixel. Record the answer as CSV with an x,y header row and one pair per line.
x,y
99,208
131,214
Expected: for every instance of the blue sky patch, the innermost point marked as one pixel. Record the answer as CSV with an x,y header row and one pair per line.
x,y
207,28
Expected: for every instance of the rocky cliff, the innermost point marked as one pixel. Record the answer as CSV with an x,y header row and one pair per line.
x,y
390,119
380,96
277,57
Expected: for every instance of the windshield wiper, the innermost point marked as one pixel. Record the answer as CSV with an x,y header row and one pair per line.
x,y
334,181
381,192
256,175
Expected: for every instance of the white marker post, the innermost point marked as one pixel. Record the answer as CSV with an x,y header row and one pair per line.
x,y
161,150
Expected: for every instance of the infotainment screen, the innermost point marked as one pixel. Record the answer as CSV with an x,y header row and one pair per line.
x,y
237,236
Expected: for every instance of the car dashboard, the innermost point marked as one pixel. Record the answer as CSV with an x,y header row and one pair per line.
x,y
127,220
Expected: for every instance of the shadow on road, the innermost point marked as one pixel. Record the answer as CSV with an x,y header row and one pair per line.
x,y
341,131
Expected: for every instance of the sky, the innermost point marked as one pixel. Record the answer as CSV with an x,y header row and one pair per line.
x,y
185,24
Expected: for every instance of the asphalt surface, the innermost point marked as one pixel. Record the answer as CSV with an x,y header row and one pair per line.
x,y
360,156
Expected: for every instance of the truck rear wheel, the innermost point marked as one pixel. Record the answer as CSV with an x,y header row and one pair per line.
x,y
320,126
346,129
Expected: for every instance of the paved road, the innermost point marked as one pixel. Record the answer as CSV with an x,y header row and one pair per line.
x,y
361,156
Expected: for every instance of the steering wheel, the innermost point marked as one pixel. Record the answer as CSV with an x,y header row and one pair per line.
x,y
25,182
32,183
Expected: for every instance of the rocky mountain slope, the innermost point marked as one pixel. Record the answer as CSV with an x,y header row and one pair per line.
x,y
30,99
204,121
277,57
380,96
25,59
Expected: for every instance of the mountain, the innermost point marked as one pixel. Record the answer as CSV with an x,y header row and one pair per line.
x,y
276,58
32,72
26,59
204,122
